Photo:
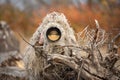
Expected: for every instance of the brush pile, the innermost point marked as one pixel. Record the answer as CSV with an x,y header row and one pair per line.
x,y
9,54
97,58
92,55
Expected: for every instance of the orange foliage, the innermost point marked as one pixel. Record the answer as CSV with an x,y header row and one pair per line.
x,y
19,21
78,18
81,18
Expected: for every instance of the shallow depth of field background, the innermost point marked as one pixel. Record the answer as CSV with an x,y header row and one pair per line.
x,y
24,16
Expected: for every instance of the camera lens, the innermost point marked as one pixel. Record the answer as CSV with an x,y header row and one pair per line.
x,y
53,34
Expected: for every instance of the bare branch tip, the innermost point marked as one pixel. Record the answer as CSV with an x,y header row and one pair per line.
x,y
97,23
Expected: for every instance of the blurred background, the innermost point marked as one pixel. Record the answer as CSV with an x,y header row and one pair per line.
x,y
24,16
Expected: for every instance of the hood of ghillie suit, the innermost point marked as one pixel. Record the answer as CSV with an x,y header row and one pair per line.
x,y
58,20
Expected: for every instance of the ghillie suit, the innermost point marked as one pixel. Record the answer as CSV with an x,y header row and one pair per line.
x,y
9,53
35,62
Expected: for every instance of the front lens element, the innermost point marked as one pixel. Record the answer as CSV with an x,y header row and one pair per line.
x,y
53,34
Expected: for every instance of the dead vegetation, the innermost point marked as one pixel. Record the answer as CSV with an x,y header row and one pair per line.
x,y
9,54
95,65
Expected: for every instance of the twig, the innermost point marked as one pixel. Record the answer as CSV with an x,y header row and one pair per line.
x,y
25,40
115,38
97,24
101,57
94,74
79,73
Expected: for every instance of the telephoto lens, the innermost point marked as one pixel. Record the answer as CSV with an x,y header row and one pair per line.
x,y
53,34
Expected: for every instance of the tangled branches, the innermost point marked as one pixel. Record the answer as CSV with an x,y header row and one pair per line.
x,y
101,61
95,66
